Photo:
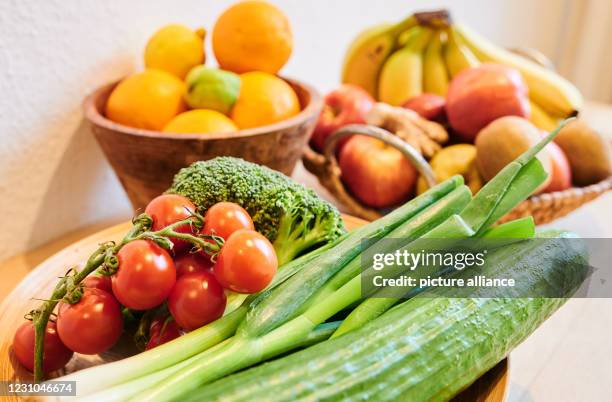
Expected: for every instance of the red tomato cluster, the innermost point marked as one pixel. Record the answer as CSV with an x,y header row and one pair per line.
x,y
192,285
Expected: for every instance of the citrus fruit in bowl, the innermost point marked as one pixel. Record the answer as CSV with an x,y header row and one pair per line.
x,y
252,35
147,100
200,121
264,99
175,49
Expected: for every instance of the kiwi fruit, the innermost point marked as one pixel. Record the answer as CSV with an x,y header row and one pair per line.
x,y
588,152
502,141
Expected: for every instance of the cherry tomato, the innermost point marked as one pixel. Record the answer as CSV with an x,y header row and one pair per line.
x,y
99,282
92,325
167,209
189,263
162,330
247,262
224,218
145,276
196,300
55,356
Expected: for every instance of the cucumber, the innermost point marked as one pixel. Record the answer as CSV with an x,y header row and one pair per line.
x,y
427,348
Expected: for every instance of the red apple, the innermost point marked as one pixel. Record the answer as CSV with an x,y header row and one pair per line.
x,y
561,171
347,104
377,174
479,95
428,106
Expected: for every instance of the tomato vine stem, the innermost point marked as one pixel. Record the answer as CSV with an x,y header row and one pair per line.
x,y
106,255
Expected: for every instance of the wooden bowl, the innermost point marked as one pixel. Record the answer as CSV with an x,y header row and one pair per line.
x,y
40,282
146,161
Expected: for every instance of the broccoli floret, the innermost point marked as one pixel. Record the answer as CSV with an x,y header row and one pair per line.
x,y
293,217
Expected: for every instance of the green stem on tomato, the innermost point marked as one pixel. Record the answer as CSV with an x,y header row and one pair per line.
x,y
98,258
164,235
43,314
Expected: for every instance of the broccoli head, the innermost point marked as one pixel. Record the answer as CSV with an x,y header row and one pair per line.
x,y
293,217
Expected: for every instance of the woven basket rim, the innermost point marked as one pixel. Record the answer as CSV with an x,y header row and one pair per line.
x,y
597,188
553,204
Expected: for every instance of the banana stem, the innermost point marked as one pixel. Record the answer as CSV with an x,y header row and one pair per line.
x,y
434,19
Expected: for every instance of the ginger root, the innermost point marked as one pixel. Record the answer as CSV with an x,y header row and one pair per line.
x,y
425,136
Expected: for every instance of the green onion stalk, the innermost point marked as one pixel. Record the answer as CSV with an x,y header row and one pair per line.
x,y
134,388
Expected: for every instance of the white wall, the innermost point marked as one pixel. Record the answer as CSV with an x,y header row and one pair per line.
x,y
53,177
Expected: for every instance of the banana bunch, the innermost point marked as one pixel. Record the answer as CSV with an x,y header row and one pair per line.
x,y
395,62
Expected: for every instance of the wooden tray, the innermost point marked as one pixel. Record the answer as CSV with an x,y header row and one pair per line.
x,y
40,282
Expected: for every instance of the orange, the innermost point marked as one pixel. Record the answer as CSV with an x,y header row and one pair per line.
x,y
252,36
148,100
264,99
201,121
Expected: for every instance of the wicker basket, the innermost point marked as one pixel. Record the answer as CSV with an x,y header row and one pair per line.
x,y
543,207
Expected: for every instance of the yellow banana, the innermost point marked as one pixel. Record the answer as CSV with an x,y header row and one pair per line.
x,y
541,119
457,55
401,77
553,93
435,76
368,52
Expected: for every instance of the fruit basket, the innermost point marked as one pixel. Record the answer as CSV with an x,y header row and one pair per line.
x,y
145,161
544,208
452,76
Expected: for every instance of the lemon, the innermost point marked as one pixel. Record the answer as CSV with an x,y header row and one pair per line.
x,y
200,121
148,100
211,88
176,49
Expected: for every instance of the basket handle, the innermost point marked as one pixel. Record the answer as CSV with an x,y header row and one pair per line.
x,y
415,158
